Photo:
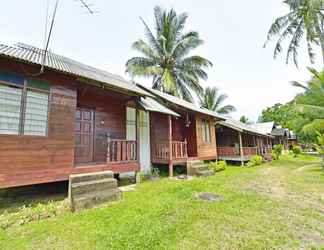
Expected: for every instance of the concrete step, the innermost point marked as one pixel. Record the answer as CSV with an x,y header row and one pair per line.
x,y
200,167
205,173
195,163
89,200
91,176
93,186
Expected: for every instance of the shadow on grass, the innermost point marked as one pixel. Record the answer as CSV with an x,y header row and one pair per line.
x,y
12,199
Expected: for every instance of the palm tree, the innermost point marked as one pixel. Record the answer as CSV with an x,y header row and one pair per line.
x,y
212,100
311,102
245,119
304,20
165,56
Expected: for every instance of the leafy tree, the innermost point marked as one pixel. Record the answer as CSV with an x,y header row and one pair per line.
x,y
311,103
281,114
211,99
304,20
245,119
165,56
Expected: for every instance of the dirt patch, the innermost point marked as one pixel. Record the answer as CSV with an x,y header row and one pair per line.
x,y
209,197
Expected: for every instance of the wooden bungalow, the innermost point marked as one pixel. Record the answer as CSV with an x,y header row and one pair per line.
x,y
239,142
69,118
185,135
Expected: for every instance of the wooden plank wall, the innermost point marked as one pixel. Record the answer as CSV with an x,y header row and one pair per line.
x,y
28,160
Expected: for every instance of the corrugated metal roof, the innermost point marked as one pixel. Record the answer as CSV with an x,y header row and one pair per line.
x,y
34,55
152,105
239,126
280,132
182,103
263,127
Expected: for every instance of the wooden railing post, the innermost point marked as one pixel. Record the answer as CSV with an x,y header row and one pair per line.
x,y
170,146
108,148
241,149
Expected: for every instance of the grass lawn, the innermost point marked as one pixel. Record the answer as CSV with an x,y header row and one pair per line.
x,y
274,206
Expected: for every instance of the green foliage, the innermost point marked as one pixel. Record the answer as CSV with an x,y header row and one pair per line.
x,y
245,119
311,102
27,214
217,166
256,160
304,20
212,100
277,150
320,146
274,156
165,56
296,150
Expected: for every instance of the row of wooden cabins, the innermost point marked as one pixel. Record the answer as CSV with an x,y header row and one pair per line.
x,y
72,118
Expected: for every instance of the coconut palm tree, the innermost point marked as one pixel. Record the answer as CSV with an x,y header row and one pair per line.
x,y
304,20
211,99
165,56
311,102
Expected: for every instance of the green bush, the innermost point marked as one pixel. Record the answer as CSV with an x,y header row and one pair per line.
x,y
296,150
255,161
274,156
277,150
217,166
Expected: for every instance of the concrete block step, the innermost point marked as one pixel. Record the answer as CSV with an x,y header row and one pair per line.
x,y
205,173
195,163
200,167
93,186
92,199
76,178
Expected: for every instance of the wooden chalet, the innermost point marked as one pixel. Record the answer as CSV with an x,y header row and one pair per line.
x,y
185,135
237,141
71,118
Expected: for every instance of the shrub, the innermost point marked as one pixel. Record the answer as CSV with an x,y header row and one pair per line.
x,y
274,156
277,150
296,150
217,166
255,161
31,213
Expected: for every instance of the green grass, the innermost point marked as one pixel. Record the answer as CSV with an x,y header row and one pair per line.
x,y
278,206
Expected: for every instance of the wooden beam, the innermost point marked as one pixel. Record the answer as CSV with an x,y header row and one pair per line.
x,y
138,136
241,149
170,145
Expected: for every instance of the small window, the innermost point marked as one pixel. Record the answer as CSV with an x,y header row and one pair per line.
x,y
23,106
10,109
36,113
206,131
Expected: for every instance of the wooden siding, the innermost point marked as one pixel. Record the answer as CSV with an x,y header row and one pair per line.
x,y
28,160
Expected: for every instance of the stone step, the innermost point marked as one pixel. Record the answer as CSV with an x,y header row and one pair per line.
x,y
89,200
195,163
76,178
93,186
205,173
200,167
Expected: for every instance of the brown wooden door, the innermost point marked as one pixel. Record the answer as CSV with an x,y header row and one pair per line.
x,y
83,136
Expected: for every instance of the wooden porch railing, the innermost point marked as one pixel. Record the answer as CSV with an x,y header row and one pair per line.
x,y
179,150
235,151
250,150
121,151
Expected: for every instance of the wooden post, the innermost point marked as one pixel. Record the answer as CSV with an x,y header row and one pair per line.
x,y
241,149
138,140
108,148
170,146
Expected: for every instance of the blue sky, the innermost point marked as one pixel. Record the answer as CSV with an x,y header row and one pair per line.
x,y
234,33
